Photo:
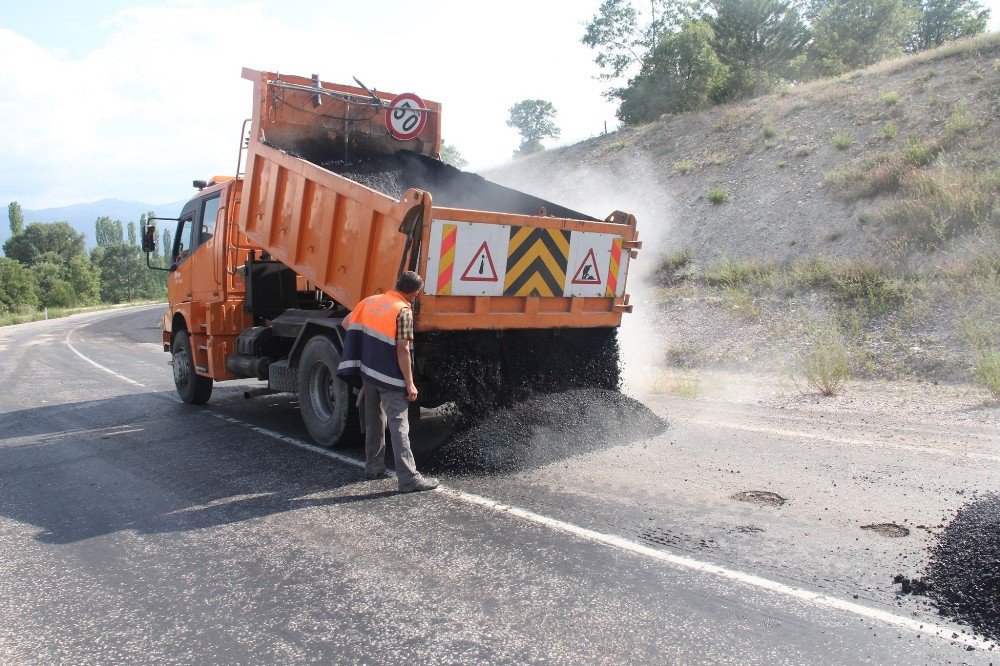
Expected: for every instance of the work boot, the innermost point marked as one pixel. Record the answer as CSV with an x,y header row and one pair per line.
x,y
419,484
375,476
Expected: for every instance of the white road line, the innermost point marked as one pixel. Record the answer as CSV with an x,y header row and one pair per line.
x,y
620,543
94,363
847,440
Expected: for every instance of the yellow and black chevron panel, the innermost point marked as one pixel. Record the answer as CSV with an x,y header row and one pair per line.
x,y
536,262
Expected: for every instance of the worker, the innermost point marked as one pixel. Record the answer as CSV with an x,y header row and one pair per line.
x,y
377,357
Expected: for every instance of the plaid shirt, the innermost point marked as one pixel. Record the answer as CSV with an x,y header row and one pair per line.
x,y
404,325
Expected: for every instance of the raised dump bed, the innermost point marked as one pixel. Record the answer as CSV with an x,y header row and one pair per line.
x,y
337,198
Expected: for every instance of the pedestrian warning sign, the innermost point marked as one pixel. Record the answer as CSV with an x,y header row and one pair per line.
x,y
588,273
481,268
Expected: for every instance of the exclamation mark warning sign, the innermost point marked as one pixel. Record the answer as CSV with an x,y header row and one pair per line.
x,y
481,268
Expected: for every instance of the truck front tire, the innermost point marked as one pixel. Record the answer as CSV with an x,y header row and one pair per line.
x,y
194,389
325,400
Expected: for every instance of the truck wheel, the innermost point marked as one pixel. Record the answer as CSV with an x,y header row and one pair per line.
x,y
325,399
194,389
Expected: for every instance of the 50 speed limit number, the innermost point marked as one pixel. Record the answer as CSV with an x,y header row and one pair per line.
x,y
406,116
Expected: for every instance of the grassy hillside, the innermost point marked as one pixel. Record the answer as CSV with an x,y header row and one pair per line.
x,y
853,218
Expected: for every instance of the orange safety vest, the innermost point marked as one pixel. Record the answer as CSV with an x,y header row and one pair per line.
x,y
370,342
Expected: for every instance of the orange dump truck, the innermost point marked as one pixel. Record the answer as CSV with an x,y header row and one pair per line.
x,y
342,190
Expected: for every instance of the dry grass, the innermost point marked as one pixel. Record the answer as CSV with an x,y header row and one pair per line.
x,y
939,205
12,318
884,172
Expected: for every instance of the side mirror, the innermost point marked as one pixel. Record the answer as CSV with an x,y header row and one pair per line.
x,y
149,238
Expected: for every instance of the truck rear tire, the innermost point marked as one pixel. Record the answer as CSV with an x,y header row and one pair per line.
x,y
194,389
325,400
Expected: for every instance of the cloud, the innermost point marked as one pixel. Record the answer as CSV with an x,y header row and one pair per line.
x,y
160,101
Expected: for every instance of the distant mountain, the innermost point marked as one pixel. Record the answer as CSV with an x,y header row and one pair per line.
x,y
82,216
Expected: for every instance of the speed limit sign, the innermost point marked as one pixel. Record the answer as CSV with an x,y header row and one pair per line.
x,y
405,116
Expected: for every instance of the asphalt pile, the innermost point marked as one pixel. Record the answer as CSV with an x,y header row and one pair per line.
x,y
482,372
545,428
449,187
962,577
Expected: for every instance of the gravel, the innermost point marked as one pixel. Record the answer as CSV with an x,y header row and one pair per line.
x,y
963,574
543,429
449,187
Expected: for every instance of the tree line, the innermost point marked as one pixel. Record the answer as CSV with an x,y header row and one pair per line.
x,y
685,55
46,265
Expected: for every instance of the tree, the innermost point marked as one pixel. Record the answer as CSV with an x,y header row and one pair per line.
x,y
85,279
108,231
941,21
41,237
17,287
54,290
757,39
623,36
681,74
534,119
857,33
450,155
167,245
131,231
16,217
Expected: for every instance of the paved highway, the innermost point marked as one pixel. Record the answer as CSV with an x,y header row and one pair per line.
x,y
134,528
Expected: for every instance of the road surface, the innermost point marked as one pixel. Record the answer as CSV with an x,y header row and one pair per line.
x,y
136,528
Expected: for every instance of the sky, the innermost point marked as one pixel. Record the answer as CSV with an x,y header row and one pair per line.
x,y
134,100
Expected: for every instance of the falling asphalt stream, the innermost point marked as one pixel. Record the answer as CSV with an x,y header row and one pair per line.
x,y
135,528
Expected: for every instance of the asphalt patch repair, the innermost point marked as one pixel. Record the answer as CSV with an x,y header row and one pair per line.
x,y
962,578
545,428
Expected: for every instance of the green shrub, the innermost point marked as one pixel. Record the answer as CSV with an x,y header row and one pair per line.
x,y
868,285
768,130
987,371
841,141
683,167
921,153
768,144
673,268
802,151
717,195
782,165
960,122
741,273
890,131
826,366
890,99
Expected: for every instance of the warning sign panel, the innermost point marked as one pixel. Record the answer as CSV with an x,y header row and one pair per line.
x,y
466,259
590,260
588,273
481,268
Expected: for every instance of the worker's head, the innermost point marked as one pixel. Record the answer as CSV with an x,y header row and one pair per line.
x,y
409,283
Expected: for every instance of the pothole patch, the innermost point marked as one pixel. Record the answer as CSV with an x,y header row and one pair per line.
x,y
749,529
760,497
662,537
891,530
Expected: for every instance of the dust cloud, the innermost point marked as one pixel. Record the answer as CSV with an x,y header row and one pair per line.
x,y
629,187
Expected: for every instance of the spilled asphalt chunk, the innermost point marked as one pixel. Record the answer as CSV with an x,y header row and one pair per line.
x,y
962,578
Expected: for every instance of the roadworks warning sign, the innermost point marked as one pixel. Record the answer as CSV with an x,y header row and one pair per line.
x,y
477,259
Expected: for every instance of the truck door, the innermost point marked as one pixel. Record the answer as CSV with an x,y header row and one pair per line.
x,y
179,282
206,279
